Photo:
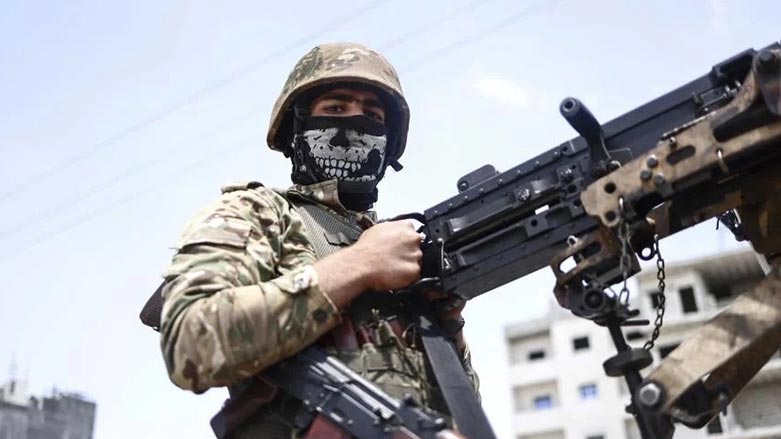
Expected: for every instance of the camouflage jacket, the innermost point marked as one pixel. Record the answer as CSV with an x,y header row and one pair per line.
x,y
241,294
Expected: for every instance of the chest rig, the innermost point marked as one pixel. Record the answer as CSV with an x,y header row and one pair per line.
x,y
372,339
372,314
376,337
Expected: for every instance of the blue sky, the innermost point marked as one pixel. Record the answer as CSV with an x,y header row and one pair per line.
x,y
119,120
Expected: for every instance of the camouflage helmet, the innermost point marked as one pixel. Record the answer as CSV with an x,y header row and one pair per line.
x,y
339,63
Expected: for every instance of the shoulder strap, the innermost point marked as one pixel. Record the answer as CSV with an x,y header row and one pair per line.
x,y
153,308
457,390
327,231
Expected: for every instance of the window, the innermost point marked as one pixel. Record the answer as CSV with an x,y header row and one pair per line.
x,y
714,426
688,303
664,351
656,299
543,402
539,354
634,335
588,391
580,343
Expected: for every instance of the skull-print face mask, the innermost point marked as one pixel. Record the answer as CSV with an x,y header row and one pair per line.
x,y
350,149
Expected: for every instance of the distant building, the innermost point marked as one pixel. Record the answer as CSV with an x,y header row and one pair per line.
x,y
59,416
561,392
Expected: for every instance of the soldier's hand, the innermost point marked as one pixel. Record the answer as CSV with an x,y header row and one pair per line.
x,y
386,257
391,255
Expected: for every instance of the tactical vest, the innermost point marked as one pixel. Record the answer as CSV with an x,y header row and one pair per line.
x,y
374,339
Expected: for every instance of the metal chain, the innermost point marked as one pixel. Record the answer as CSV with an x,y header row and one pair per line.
x,y
625,266
660,308
626,257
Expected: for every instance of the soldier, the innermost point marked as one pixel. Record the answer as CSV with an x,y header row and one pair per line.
x,y
245,288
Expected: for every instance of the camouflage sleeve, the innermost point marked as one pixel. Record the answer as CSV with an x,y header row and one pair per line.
x,y
240,293
466,360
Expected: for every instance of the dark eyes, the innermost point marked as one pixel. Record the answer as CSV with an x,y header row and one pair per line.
x,y
336,109
374,115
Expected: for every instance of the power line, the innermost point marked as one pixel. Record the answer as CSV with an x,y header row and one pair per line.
x,y
40,217
471,39
192,98
92,214
453,13
395,42
93,189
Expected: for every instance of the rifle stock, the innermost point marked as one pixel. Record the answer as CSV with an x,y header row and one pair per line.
x,y
342,402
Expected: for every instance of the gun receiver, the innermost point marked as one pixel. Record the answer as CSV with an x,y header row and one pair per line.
x,y
502,226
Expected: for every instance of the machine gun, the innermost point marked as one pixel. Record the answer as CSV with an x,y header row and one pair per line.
x,y
606,197
600,201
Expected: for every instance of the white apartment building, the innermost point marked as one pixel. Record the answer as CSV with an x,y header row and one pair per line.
x,y
560,390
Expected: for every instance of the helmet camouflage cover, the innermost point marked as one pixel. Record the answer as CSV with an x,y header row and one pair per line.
x,y
333,64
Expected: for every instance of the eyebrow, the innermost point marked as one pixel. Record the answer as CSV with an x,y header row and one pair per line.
x,y
344,97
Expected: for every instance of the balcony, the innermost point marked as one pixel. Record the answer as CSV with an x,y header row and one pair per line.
x,y
530,372
536,421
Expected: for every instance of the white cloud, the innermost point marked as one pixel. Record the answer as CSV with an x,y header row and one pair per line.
x,y
502,90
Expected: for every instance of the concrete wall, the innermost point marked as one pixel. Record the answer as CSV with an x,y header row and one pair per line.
x,y
521,348
556,434
59,417
758,406
13,421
